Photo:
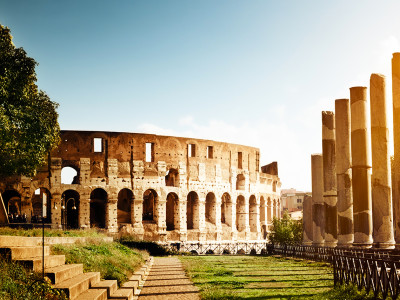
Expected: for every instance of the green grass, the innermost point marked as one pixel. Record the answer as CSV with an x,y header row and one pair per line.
x,y
113,260
17,283
36,232
255,277
250,277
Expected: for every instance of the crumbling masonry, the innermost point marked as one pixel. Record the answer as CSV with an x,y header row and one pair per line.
x,y
155,187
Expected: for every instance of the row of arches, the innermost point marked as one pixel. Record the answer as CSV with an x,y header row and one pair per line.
x,y
70,175
216,211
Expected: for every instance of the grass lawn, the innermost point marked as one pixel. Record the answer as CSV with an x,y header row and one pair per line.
x,y
254,277
37,232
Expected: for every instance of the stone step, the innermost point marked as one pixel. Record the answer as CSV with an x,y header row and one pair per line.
x,y
110,285
126,294
23,252
93,294
141,273
63,272
75,286
136,277
19,241
35,263
133,285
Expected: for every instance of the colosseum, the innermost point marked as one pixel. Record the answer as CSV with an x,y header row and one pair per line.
x,y
160,188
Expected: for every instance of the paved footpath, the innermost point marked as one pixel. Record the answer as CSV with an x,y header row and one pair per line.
x,y
167,280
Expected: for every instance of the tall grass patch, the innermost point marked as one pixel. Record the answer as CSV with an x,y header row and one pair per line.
x,y
112,260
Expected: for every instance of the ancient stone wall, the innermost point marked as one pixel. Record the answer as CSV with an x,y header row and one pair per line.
x,y
156,187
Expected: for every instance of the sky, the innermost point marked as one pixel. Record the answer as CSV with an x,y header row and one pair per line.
x,y
256,73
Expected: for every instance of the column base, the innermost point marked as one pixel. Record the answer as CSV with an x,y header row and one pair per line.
x,y
319,244
362,245
388,245
308,243
330,244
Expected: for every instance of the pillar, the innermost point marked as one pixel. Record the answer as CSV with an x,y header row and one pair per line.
x,y
329,171
182,227
361,168
343,173
307,220
318,209
56,211
111,214
396,139
382,212
202,218
137,213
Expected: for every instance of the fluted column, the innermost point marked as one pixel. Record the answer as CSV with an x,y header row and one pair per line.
x,y
396,139
318,209
307,220
343,173
329,170
361,168
382,212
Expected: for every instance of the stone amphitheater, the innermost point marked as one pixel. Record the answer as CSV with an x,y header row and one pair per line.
x,y
159,188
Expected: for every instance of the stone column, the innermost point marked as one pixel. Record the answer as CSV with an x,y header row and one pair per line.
x,y
329,170
137,215
343,173
318,209
396,139
382,212
361,168
84,211
111,221
307,220
202,218
56,211
182,227
160,217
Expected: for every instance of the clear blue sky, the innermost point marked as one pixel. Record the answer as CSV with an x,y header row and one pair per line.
x,y
250,72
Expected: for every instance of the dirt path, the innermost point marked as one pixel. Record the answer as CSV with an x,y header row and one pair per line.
x,y
167,280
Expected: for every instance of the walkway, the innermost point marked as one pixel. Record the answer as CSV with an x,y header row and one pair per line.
x,y
167,280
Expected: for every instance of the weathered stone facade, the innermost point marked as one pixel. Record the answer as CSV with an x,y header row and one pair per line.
x,y
155,187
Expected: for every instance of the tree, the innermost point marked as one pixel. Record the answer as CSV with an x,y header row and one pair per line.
x,y
286,230
29,129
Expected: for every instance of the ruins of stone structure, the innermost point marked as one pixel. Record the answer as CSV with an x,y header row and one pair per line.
x,y
155,187
368,215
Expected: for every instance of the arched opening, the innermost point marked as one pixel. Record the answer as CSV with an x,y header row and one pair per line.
x,y
12,203
125,197
172,178
172,215
41,202
226,209
70,209
253,213
211,208
192,211
240,182
69,175
149,200
98,203
240,213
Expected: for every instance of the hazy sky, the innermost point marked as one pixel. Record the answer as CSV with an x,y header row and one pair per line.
x,y
257,73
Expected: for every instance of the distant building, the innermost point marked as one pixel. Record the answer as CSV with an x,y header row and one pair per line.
x,y
292,202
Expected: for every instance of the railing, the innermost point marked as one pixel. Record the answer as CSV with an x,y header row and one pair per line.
x,y
370,269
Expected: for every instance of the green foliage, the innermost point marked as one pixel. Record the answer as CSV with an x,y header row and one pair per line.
x,y
113,260
286,231
18,284
345,292
28,119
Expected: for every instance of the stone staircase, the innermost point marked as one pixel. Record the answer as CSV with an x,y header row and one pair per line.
x,y
69,277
